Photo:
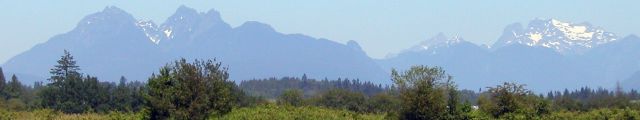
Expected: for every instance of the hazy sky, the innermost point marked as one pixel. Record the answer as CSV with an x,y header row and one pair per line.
x,y
381,27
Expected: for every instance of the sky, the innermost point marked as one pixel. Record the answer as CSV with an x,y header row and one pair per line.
x,y
381,27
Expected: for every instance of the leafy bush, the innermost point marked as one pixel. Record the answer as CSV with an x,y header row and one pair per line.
x,y
189,90
291,97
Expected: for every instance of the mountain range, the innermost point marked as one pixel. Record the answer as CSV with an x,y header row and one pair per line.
x,y
112,43
547,54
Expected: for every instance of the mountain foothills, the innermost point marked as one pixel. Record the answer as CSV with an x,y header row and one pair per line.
x,y
547,54
112,43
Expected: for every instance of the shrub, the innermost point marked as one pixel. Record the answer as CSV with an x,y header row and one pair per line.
x,y
189,91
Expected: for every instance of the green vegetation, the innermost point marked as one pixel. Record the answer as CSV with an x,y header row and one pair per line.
x,y
189,91
69,91
427,93
272,88
202,90
291,97
276,112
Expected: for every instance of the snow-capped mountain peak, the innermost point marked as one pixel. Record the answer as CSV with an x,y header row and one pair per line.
x,y
573,32
440,40
182,25
564,37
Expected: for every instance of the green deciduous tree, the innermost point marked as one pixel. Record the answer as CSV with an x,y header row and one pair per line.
x,y
423,91
185,90
511,100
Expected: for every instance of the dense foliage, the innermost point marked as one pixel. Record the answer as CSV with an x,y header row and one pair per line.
x,y
428,93
274,112
201,90
189,91
273,87
291,97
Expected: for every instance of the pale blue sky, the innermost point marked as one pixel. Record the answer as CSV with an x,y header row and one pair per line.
x,y
380,26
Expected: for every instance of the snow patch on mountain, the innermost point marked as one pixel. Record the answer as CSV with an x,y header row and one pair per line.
x,y
440,40
432,45
150,30
563,37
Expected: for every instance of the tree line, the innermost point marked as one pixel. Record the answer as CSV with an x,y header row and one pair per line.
x,y
273,87
201,89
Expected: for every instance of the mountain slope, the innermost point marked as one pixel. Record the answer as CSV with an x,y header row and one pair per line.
x,y
108,44
112,43
564,37
462,59
588,56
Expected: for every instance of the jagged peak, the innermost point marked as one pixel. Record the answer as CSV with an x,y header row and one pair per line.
x,y
213,13
190,15
513,27
183,12
564,37
185,9
214,16
439,40
110,14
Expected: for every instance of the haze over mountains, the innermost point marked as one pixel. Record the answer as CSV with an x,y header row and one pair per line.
x,y
546,54
111,43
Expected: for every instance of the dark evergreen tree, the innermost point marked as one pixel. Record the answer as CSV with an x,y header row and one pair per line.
x,y
70,92
66,69
122,98
14,88
3,83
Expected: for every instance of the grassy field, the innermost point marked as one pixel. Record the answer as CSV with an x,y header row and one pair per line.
x,y
46,114
272,112
275,112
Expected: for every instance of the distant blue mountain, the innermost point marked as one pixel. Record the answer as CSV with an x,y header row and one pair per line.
x,y
545,55
112,43
465,61
633,82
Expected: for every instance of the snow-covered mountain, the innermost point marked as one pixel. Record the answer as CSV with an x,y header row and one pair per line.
x,y
563,37
112,43
438,41
546,55
462,59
